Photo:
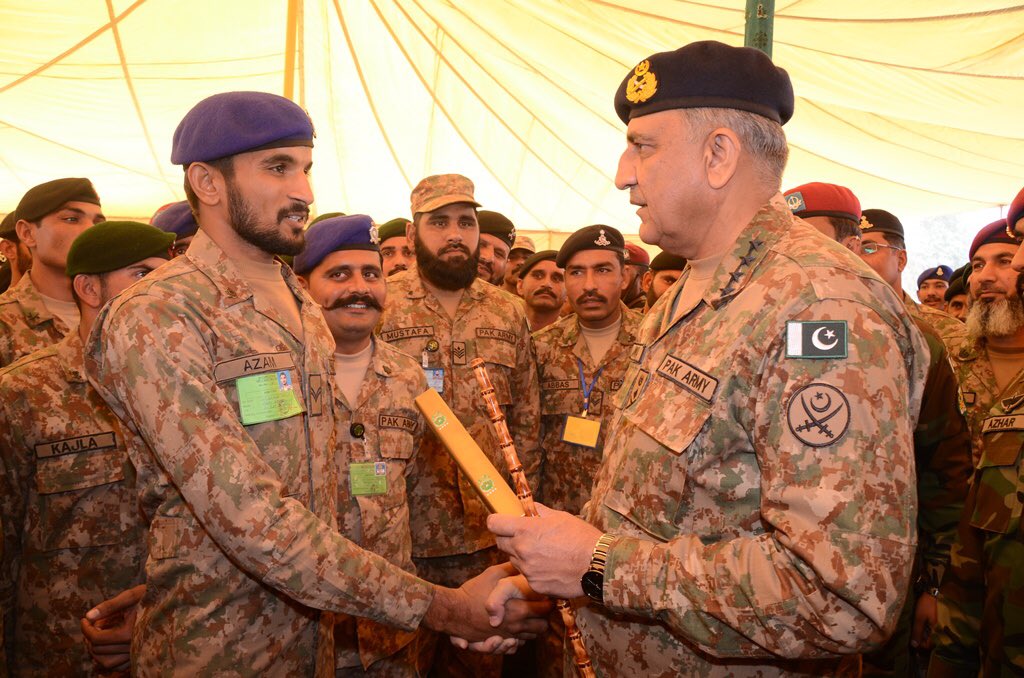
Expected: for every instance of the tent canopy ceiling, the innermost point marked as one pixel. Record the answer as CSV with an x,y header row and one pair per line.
x,y
914,105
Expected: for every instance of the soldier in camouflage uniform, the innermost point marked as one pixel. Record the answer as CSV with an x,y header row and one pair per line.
x,y
981,615
220,365
754,514
378,427
39,310
440,313
73,533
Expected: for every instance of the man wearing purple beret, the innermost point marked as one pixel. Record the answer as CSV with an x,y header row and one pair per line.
x,y
177,218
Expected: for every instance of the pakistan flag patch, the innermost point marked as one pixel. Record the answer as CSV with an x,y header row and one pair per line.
x,y
816,339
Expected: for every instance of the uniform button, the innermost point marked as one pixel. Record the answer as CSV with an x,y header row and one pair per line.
x,y
433,346
357,430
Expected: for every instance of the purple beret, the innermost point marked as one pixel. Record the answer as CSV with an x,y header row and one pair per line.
x,y
1016,211
996,232
239,122
706,74
176,218
352,232
939,272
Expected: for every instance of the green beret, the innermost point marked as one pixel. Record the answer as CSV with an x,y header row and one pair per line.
x,y
326,215
596,237
392,229
7,226
49,197
498,225
116,244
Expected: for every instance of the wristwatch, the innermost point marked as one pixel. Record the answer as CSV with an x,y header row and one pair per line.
x,y
592,580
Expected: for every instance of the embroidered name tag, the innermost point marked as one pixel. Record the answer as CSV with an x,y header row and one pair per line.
x,y
495,333
396,421
1014,422
96,441
407,333
252,364
694,380
559,385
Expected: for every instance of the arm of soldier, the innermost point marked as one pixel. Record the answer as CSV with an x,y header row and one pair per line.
x,y
956,637
15,475
943,455
830,573
524,422
239,500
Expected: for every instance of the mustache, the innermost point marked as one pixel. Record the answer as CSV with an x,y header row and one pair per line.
x,y
399,267
367,299
485,265
454,248
545,290
591,296
293,209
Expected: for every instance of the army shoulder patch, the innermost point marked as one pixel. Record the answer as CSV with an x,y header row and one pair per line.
x,y
818,414
816,339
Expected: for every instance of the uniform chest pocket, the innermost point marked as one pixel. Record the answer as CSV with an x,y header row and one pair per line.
x,y
997,506
82,499
384,516
650,483
500,356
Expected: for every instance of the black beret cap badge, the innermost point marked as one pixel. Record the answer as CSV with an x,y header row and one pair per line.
x,y
643,85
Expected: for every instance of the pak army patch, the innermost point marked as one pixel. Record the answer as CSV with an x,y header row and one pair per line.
x,y
816,339
818,415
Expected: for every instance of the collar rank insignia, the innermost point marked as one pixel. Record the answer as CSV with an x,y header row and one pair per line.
x,y
374,234
643,84
602,241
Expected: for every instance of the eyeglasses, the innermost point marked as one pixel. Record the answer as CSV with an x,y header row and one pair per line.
x,y
872,247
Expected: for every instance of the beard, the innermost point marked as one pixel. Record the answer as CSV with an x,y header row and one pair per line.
x,y
997,318
268,238
445,275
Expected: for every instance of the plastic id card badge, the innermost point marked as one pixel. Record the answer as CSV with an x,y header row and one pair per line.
x,y
368,478
581,431
267,397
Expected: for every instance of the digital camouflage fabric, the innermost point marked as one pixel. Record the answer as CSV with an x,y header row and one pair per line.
x,y
73,536
763,486
567,470
242,550
978,389
980,629
25,323
447,517
383,428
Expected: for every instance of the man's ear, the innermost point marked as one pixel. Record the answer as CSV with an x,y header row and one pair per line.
x,y
902,259
722,151
26,231
646,281
207,183
87,289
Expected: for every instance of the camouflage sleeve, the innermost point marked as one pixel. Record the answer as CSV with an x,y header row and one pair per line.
x,y
831,570
956,638
942,447
14,479
524,424
166,389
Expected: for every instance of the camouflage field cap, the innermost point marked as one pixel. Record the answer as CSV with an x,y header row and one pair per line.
x,y
439,190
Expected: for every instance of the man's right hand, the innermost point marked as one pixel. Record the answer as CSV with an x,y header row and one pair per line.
x,y
108,629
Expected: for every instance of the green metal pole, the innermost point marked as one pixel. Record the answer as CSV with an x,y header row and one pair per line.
x,y
760,21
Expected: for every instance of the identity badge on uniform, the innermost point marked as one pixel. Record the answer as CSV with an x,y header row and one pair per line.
x,y
581,431
816,339
435,378
267,397
368,478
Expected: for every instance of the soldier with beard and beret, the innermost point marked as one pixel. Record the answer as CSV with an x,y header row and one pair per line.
x,y
664,272
638,262
754,513
73,534
497,235
39,310
444,315
395,250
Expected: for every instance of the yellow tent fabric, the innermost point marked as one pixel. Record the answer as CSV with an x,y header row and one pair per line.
x,y
914,105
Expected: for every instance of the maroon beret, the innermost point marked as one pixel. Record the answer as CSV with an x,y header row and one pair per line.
x,y
818,199
1016,211
996,232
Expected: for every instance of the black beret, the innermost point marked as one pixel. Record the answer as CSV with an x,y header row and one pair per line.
x,y
596,237
706,74
392,229
498,225
880,221
239,122
116,244
958,283
668,262
7,225
49,197
534,259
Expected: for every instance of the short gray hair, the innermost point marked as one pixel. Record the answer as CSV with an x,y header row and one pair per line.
x,y
759,136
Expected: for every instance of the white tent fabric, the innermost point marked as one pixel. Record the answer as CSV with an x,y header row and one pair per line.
x,y
915,105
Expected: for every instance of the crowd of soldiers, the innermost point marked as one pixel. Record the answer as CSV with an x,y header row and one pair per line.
x,y
756,454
